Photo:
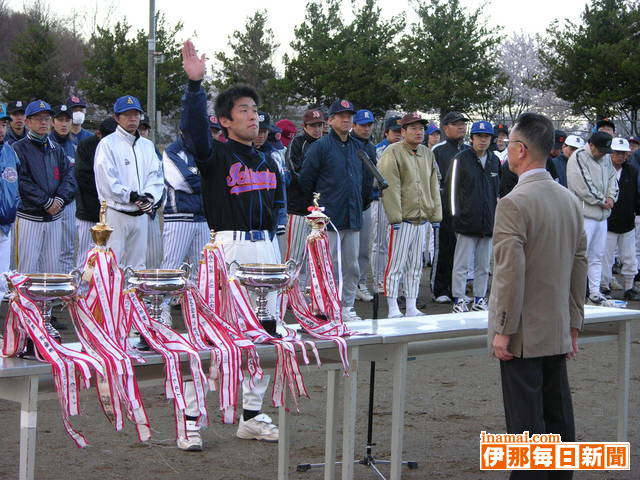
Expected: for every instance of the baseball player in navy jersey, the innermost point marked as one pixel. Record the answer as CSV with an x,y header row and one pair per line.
x,y
129,178
17,129
78,108
242,197
61,134
47,185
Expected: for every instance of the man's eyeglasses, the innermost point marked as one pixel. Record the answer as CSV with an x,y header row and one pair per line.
x,y
507,141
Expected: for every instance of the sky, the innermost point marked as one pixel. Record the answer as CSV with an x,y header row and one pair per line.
x,y
210,22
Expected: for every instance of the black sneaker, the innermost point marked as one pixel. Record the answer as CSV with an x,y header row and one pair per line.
x,y
605,290
632,295
57,324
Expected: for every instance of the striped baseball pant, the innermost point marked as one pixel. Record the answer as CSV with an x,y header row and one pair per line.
x,y
68,253
404,259
39,246
183,242
85,242
297,232
379,241
364,258
154,239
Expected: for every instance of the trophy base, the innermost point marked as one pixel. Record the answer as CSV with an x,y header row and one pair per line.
x,y
269,324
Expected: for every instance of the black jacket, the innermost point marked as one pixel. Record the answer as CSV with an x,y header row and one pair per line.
x,y
87,203
297,199
472,193
444,153
509,179
623,214
43,175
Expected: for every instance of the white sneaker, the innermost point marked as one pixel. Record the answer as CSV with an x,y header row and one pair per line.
x,y
349,315
259,427
443,299
193,442
480,305
362,293
460,306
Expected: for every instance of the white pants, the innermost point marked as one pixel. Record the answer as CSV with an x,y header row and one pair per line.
x,y
69,238
129,238
364,261
5,259
183,242
638,239
468,247
349,243
379,241
405,259
625,246
596,231
38,246
85,241
154,242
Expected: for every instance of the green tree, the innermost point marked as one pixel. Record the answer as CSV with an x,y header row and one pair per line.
x,y
117,65
448,58
33,71
358,61
595,64
251,61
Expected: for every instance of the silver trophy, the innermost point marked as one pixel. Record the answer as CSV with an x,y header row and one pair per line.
x,y
263,278
156,284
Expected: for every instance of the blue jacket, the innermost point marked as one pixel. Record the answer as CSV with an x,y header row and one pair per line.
x,y
82,134
332,168
44,173
560,162
183,181
9,196
11,136
68,146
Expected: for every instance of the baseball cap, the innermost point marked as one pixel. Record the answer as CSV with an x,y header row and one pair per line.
x,y
340,106
500,128
3,112
15,106
559,137
453,117
363,117
635,140
412,117
620,145
36,107
602,141
313,116
482,127
125,103
289,131
61,110
574,141
432,128
393,123
605,122
213,122
144,120
265,123
75,101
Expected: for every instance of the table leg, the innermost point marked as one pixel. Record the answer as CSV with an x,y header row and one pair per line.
x,y
349,415
283,442
28,427
624,371
399,357
330,426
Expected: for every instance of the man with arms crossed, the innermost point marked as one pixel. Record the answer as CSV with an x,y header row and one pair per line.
x,y
533,322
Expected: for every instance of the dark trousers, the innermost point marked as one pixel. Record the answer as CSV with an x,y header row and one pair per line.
x,y
537,398
442,266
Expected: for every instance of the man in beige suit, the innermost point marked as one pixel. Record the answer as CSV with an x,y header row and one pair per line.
x,y
538,290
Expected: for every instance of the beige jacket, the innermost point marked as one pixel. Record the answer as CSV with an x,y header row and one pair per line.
x,y
540,268
414,190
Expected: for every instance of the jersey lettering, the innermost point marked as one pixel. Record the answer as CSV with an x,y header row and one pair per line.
x,y
243,179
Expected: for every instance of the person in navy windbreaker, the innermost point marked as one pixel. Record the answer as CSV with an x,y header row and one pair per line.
x,y
47,185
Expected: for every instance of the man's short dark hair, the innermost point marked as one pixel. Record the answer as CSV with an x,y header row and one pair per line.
x,y
538,132
226,100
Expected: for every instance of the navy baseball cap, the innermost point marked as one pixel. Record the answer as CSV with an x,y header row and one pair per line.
x,y
126,103
16,106
559,138
75,101
3,112
605,122
432,128
36,107
501,127
340,106
61,110
393,124
213,122
635,140
482,127
363,117
144,120
453,117
602,141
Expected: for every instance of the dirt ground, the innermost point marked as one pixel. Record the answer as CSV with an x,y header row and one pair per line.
x,y
449,401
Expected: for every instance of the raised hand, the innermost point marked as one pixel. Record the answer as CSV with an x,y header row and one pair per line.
x,y
193,65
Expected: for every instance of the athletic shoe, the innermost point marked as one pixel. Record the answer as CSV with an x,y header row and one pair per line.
x,y
415,313
598,299
396,315
632,295
260,427
605,290
460,306
480,305
362,293
443,299
349,315
615,284
193,442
